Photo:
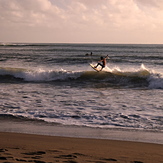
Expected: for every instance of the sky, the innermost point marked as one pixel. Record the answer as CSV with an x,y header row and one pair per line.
x,y
82,21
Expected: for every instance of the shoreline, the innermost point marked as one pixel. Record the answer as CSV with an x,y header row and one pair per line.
x,y
42,128
16,147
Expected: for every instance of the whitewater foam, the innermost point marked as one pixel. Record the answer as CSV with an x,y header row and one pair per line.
x,y
141,72
155,81
138,77
50,75
39,74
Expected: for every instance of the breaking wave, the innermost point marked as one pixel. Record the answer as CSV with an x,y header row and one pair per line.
x,y
138,78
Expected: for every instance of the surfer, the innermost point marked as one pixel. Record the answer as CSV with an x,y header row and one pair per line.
x,y
103,62
89,54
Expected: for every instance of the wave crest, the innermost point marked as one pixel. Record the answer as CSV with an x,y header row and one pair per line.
x,y
138,78
38,75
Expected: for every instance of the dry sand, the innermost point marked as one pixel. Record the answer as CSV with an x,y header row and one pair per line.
x,y
17,148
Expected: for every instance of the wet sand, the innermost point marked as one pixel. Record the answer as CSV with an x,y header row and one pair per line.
x,y
16,148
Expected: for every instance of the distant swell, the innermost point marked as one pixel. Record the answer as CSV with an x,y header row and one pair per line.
x,y
138,78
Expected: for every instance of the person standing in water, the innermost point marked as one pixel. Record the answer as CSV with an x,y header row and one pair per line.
x,y
103,62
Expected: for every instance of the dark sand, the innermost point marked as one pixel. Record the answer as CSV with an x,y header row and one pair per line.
x,y
17,148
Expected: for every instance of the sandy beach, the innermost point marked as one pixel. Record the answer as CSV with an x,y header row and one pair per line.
x,y
15,147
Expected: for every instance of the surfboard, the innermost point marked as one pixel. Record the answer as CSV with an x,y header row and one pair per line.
x,y
94,67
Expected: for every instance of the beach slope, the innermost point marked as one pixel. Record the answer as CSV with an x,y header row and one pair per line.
x,y
16,148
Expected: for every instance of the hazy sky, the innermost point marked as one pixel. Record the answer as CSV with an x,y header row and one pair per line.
x,y
81,21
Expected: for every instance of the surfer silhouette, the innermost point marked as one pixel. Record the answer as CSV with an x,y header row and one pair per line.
x,y
103,62
89,54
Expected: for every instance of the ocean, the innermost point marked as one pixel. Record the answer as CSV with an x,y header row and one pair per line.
x,y
51,89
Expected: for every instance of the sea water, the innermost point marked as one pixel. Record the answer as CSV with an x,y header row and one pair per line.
x,y
53,84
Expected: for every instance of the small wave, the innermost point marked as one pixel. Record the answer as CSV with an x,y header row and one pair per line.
x,y
143,72
39,75
13,44
25,44
50,75
138,78
19,118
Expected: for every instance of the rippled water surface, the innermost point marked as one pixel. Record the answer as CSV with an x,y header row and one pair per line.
x,y
55,83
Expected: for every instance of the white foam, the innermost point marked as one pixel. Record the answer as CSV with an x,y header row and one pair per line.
x,y
155,79
141,72
48,75
155,82
40,74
